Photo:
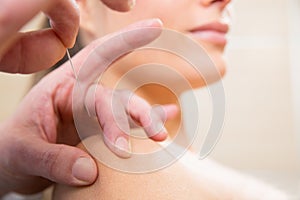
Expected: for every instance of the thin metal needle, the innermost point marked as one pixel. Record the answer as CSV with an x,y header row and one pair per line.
x,y
71,63
76,77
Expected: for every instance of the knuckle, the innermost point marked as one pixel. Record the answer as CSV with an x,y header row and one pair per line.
x,y
50,160
143,111
125,96
120,118
103,95
118,126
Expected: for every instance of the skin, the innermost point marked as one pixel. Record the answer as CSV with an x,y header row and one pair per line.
x,y
32,56
99,21
188,178
46,135
38,149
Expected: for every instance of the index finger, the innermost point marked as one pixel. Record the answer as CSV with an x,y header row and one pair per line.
x,y
105,51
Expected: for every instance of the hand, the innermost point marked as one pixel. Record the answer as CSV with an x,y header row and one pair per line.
x,y
37,141
33,51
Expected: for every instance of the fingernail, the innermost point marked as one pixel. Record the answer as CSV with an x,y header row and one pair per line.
x,y
123,147
131,3
84,170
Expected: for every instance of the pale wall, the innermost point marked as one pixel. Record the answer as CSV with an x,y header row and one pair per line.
x,y
260,134
259,131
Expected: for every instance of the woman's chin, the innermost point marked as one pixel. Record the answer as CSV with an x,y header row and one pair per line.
x,y
197,82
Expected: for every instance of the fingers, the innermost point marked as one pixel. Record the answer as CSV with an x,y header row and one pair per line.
x,y
115,111
103,52
58,163
35,50
170,110
100,54
64,19
113,120
119,5
152,119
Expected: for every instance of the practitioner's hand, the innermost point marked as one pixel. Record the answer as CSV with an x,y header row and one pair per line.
x,y
33,51
37,142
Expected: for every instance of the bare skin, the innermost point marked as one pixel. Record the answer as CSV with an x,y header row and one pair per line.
x,y
29,47
37,141
31,159
188,178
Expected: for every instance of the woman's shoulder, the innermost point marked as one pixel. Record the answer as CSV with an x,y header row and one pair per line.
x,y
176,181
188,178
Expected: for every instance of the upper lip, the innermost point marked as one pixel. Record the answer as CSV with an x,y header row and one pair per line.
x,y
214,26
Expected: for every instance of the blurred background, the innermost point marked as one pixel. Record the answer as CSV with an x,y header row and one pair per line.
x,y
261,133
262,130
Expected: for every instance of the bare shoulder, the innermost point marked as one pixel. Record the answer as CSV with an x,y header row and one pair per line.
x,y
173,182
188,178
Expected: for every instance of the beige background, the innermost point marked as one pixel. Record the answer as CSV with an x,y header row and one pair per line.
x,y
261,132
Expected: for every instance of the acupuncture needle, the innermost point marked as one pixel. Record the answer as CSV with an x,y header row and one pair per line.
x,y
76,77
73,69
71,63
89,114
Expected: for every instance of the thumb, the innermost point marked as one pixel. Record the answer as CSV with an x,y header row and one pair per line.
x,y
57,162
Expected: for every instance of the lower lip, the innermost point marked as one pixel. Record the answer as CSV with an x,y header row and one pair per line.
x,y
210,36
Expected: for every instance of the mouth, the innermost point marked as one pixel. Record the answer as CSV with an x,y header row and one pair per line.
x,y
214,32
